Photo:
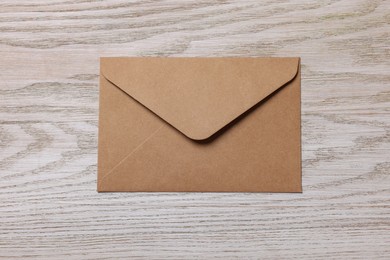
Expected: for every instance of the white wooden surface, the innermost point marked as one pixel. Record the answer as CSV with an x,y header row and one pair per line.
x,y
49,207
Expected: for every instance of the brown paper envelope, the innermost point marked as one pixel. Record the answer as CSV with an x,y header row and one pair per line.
x,y
199,124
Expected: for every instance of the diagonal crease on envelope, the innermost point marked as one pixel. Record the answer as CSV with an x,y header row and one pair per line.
x,y
196,98
128,155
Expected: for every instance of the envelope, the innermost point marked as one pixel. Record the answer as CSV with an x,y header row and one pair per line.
x,y
199,125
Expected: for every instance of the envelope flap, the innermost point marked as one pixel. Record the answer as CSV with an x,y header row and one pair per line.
x,y
199,96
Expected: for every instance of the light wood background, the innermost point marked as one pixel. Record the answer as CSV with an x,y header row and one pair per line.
x,y
49,60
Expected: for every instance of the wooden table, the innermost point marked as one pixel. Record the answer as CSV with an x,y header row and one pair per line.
x,y
49,69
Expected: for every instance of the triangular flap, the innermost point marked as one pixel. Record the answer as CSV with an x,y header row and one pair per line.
x,y
198,96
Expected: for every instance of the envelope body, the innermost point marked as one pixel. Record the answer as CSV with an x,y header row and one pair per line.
x,y
199,124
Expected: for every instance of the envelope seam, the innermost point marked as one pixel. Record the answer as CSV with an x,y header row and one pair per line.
x,y
128,156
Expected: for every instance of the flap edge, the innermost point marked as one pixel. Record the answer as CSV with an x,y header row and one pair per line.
x,y
291,76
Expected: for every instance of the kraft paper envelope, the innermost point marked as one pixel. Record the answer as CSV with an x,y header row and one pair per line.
x,y
200,124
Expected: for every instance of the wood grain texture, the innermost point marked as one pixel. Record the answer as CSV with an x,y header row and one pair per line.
x,y
49,207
